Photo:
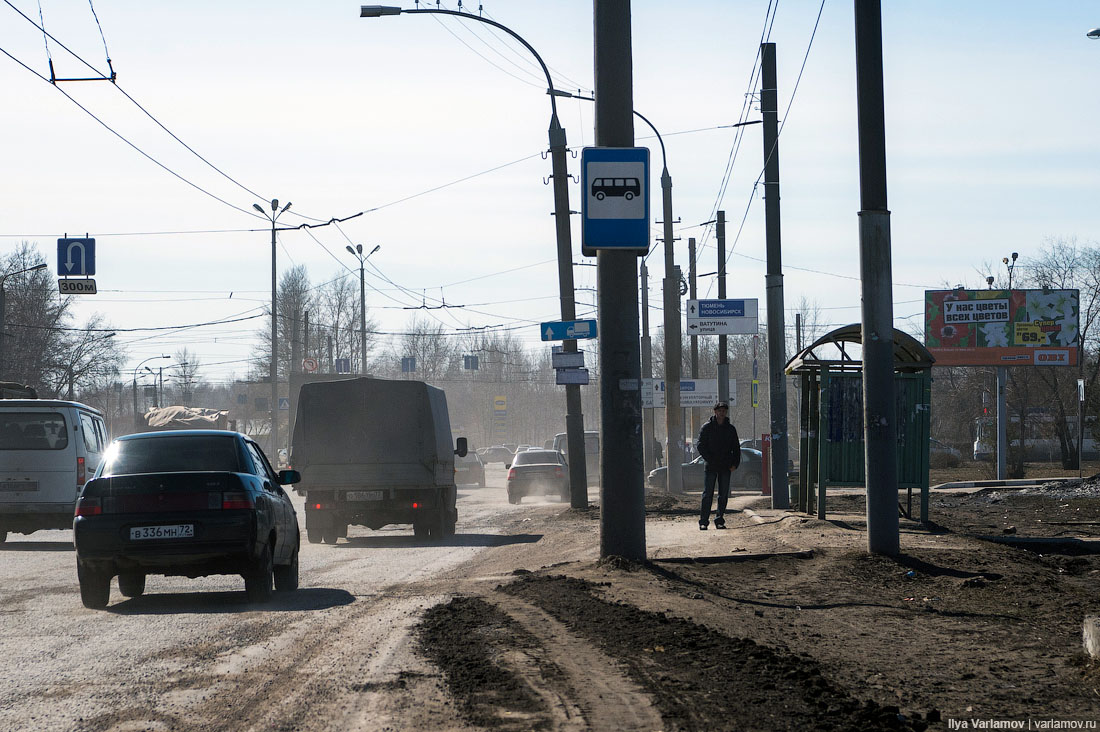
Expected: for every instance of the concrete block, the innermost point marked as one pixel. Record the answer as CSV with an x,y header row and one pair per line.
x,y
1091,635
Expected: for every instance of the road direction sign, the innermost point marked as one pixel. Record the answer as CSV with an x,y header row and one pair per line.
x,y
693,393
76,287
723,317
568,330
75,257
614,199
567,360
343,365
408,364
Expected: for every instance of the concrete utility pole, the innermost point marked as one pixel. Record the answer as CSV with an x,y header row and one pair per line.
x,y
622,496
647,373
693,271
879,408
723,363
777,351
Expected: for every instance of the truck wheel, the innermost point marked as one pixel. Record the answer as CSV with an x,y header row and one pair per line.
x,y
342,530
131,584
314,536
258,580
95,587
331,535
3,535
449,523
286,575
420,530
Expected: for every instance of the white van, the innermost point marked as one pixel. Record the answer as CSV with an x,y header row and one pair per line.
x,y
591,453
48,449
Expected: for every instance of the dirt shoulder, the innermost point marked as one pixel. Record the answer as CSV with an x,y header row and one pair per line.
x,y
785,622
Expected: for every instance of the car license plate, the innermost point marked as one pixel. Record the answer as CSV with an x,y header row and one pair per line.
x,y
365,495
18,486
175,531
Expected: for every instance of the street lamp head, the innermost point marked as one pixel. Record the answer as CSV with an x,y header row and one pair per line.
x,y
359,248
274,204
376,248
1094,33
989,281
1014,255
286,207
258,208
377,11
350,250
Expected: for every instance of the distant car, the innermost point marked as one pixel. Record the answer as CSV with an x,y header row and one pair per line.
x,y
542,472
185,503
524,448
469,470
498,454
746,477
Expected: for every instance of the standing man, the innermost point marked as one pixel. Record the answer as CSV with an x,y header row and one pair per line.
x,y
658,453
721,450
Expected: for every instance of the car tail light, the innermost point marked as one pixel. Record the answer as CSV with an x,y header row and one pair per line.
x,y
237,500
88,507
512,474
558,473
80,472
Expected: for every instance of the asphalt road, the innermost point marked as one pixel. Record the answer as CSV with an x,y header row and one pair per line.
x,y
193,655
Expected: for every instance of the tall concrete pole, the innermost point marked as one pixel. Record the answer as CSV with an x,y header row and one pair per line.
x,y
879,407
777,351
674,415
622,500
647,373
693,272
274,369
723,363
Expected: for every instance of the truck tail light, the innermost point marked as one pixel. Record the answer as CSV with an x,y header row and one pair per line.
x,y
80,472
237,500
88,507
416,505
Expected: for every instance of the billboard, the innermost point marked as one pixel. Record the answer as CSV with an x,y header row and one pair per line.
x,y
1002,327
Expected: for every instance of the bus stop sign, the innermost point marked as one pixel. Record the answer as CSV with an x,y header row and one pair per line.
x,y
615,199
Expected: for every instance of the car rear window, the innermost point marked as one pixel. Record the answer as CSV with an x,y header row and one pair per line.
x,y
536,457
184,453
33,431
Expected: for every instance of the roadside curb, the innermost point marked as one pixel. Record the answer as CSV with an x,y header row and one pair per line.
x,y
718,559
997,483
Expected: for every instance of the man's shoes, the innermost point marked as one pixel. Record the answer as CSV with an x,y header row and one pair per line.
x,y
719,524
702,526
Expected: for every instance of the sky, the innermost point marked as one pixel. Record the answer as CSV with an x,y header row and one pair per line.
x,y
434,126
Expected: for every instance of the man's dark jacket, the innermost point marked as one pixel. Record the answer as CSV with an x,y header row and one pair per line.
x,y
719,446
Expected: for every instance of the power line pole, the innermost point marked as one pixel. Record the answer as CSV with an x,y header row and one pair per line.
x,y
693,271
647,373
622,499
777,352
723,364
879,407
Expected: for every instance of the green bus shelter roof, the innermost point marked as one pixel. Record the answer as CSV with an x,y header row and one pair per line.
x,y
909,354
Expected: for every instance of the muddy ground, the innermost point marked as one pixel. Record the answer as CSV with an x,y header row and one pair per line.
x,y
788,624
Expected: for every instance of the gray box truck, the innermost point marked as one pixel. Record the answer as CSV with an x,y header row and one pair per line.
x,y
374,452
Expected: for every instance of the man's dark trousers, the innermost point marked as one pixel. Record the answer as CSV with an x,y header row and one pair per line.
x,y
722,475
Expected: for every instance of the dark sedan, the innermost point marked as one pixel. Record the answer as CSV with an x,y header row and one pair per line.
x,y
542,472
186,503
746,477
469,470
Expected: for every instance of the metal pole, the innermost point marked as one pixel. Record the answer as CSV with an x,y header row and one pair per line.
x,y
2,323
674,416
274,370
693,270
879,407
723,364
647,373
1002,423
362,318
777,351
622,502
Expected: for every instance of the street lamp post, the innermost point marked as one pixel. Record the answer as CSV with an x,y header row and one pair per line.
x,y
574,418
3,279
274,370
137,422
357,252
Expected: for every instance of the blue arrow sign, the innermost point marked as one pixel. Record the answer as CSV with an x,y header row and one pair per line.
x,y
568,330
75,257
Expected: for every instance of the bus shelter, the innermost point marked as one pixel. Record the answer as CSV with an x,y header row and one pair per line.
x,y
831,417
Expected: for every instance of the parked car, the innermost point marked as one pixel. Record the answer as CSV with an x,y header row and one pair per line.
x,y
469,470
542,472
498,454
185,503
747,476
48,449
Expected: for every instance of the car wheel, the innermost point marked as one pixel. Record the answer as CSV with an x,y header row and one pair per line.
x,y
753,482
480,484
131,584
258,581
95,587
286,575
314,536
